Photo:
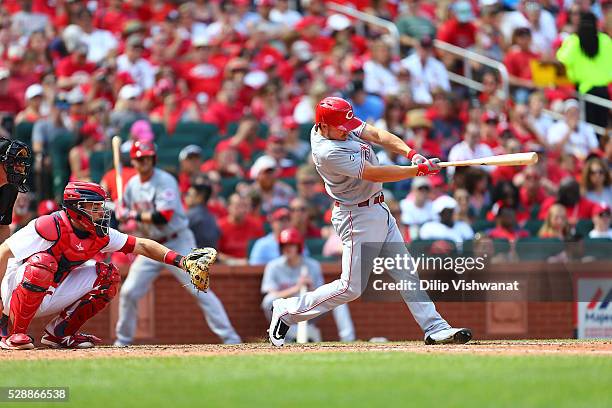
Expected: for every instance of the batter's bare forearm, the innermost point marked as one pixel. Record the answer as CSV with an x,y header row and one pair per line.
x,y
385,174
385,139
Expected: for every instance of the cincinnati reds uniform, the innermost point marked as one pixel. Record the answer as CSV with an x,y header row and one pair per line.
x,y
279,275
341,165
161,193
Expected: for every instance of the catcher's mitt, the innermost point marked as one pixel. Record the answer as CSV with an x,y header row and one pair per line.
x,y
197,264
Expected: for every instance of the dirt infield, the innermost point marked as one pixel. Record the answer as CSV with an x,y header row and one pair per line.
x,y
500,347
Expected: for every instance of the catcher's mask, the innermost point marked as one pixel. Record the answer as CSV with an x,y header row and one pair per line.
x,y
88,203
16,157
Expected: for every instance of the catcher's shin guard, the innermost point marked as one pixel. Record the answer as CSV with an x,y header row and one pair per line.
x,y
74,316
29,294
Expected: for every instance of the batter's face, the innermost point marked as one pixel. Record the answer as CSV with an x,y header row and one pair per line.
x,y
143,165
333,133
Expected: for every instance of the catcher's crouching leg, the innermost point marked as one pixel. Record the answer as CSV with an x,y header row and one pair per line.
x,y
26,298
62,331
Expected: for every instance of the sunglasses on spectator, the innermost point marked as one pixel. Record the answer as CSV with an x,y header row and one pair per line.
x,y
424,188
598,172
308,182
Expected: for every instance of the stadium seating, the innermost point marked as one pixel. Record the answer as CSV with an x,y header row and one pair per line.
x,y
99,163
23,132
60,149
598,248
315,246
538,249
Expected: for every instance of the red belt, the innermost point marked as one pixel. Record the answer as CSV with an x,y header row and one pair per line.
x,y
377,200
166,239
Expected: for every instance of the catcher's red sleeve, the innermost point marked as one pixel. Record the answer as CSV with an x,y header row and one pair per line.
x,y
129,245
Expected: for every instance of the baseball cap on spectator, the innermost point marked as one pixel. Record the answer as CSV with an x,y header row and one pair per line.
x,y
132,27
33,91
426,42
265,3
4,73
280,213
15,52
437,181
172,16
289,123
419,182
442,203
307,22
489,117
486,3
141,131
75,96
72,36
302,50
416,118
262,164
338,22
129,92
463,11
46,207
190,151
91,130
601,209
569,104
135,40
255,79
81,48
201,41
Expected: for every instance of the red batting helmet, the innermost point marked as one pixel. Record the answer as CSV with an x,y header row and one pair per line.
x,y
142,149
336,112
291,236
76,194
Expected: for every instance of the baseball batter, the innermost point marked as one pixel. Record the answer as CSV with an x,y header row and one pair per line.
x,y
344,158
46,269
152,199
15,158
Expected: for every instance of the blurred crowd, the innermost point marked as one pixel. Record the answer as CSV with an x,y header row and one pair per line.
x,y
256,69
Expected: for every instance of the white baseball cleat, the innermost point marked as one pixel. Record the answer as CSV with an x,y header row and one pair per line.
x,y
278,329
450,336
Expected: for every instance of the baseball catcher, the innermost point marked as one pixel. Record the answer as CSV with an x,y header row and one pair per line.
x,y
47,269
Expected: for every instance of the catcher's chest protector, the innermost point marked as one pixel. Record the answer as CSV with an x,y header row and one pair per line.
x,y
68,249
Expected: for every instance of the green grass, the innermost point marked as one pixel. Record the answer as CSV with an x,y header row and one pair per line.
x,y
365,379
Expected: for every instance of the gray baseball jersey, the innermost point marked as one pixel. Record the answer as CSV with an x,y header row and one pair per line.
x,y
159,193
341,162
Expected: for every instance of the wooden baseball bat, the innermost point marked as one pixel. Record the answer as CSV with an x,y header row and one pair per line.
x,y
513,159
116,143
301,337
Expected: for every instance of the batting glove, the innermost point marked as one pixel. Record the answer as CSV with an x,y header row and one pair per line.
x,y
417,158
429,167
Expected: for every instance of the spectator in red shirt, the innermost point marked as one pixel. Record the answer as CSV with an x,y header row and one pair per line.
x,y
9,104
74,69
556,224
505,226
225,108
276,149
459,30
523,129
174,109
204,69
237,229
578,208
488,130
224,161
300,219
531,192
190,160
517,62
245,140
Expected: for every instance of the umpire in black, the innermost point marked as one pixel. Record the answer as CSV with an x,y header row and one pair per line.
x,y
15,162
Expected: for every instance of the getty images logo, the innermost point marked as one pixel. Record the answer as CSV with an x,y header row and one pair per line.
x,y
596,297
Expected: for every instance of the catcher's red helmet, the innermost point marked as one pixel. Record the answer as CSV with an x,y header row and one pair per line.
x,y
142,149
291,236
336,112
76,194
